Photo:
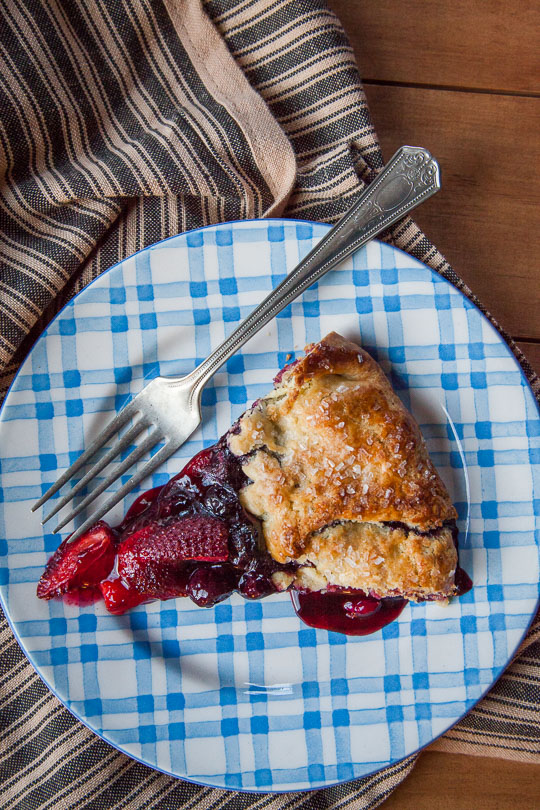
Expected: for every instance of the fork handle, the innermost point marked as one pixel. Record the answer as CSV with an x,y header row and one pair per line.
x,y
411,176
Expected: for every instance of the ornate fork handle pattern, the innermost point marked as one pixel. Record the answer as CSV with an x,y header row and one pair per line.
x,y
414,175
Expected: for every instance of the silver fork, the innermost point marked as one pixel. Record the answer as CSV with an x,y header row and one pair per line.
x,y
170,406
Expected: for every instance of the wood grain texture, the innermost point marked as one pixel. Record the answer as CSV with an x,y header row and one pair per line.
x,y
485,219
468,43
442,781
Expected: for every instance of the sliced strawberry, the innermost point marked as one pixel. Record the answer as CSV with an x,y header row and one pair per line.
x,y
81,564
148,581
157,579
197,537
119,598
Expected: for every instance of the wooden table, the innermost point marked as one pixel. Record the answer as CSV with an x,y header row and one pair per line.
x,y
462,77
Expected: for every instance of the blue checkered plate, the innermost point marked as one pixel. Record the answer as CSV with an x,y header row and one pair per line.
x,y
244,695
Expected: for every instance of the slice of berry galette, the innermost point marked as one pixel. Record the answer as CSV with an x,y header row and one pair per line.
x,y
324,488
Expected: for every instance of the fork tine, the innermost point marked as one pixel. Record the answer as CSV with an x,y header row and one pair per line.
x,y
119,420
141,449
161,456
115,450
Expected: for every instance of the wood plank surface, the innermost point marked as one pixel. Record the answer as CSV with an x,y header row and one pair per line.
x,y
484,218
442,781
481,44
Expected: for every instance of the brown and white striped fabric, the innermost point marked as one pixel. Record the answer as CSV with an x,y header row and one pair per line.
x,y
123,122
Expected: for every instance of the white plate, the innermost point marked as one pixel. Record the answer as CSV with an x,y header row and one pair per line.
x,y
244,695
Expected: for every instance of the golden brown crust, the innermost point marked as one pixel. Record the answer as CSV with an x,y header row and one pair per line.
x,y
383,560
333,443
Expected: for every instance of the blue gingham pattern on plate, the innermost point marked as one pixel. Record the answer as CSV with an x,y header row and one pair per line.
x,y
244,695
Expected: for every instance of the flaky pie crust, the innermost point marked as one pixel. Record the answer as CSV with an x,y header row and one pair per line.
x,y
333,457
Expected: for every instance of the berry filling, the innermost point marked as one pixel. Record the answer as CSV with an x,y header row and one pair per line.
x,y
192,537
81,564
352,614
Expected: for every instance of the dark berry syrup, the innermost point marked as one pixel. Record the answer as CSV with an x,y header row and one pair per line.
x,y
351,613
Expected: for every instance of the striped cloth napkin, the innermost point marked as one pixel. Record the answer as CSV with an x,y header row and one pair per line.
x,y
127,121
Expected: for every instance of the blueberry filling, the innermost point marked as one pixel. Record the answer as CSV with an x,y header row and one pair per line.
x,y
208,488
